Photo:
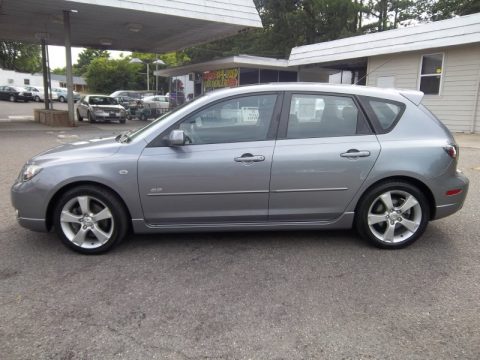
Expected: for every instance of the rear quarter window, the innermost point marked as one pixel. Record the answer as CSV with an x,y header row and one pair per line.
x,y
384,114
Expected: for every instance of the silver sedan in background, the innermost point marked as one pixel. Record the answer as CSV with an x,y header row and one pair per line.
x,y
276,156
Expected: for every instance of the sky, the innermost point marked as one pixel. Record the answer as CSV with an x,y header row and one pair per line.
x,y
57,55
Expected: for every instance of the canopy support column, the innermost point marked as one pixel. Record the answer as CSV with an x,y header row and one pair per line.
x,y
69,74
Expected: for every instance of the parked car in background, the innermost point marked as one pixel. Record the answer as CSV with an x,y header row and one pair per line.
x,y
134,94
15,93
242,159
62,94
100,108
38,93
159,101
126,101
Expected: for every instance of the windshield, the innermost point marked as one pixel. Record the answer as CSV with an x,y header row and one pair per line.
x,y
102,100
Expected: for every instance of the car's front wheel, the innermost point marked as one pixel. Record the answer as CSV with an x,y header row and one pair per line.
x,y
61,99
12,98
37,98
392,215
90,219
79,117
90,117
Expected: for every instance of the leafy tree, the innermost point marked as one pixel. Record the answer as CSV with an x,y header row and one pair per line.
x,y
18,56
106,75
445,9
86,57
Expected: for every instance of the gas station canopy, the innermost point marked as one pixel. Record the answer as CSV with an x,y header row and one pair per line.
x,y
131,25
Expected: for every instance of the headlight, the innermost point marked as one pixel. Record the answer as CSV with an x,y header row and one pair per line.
x,y
28,172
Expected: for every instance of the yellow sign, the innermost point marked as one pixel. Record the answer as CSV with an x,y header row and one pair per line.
x,y
220,78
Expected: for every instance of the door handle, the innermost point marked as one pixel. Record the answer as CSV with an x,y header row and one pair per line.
x,y
249,158
354,153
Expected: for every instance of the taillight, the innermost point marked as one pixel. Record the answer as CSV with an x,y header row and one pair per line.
x,y
451,150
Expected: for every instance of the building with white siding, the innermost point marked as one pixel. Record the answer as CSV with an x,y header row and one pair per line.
x,y
442,59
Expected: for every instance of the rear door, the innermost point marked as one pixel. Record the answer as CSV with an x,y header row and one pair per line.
x,y
324,153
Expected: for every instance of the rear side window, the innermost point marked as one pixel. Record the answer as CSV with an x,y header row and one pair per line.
x,y
319,115
384,114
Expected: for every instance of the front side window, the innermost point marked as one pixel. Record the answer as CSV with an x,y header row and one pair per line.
x,y
431,74
313,116
234,120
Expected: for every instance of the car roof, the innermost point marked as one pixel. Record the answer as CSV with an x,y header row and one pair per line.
x,y
385,93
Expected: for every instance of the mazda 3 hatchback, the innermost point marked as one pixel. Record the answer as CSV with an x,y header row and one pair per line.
x,y
275,156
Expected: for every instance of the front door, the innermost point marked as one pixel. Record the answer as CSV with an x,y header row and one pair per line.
x,y
325,154
222,174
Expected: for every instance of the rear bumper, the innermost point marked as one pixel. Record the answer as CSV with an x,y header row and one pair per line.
x,y
452,204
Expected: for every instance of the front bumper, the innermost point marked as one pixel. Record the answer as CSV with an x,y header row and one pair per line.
x,y
29,203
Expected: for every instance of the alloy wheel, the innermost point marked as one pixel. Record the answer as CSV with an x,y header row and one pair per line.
x,y
394,216
87,222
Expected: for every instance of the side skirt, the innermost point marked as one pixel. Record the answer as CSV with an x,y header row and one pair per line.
x,y
345,221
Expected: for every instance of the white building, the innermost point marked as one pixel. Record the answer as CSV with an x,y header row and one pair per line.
x,y
442,59
14,78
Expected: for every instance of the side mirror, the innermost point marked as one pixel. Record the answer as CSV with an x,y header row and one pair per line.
x,y
176,138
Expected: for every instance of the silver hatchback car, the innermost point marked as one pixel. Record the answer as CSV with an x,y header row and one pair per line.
x,y
275,156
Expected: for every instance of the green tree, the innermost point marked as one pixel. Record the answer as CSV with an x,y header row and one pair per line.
x,y
445,9
18,56
86,57
106,75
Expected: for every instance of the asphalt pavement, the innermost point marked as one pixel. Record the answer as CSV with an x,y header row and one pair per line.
x,y
242,295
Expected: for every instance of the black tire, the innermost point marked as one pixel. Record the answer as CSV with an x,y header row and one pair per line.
x,y
90,236
143,117
37,98
12,98
123,121
90,117
61,99
78,116
401,226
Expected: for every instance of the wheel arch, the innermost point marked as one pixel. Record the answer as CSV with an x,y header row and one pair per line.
x,y
407,179
67,187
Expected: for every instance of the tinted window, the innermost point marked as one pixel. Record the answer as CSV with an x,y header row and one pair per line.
x,y
234,120
321,116
386,112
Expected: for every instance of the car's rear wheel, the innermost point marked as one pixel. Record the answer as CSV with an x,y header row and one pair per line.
x,y
37,98
61,99
392,215
79,117
12,98
90,219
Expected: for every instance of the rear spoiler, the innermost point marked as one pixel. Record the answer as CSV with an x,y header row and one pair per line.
x,y
412,95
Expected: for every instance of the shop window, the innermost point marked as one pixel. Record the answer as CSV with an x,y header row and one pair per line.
x,y
287,76
248,76
268,76
431,74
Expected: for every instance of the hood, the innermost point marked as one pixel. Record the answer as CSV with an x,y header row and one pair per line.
x,y
79,151
112,106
